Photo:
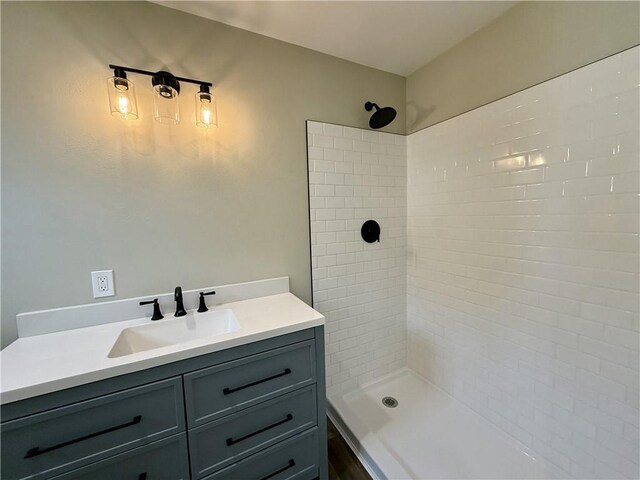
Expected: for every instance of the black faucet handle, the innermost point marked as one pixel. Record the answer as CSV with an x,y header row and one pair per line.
x,y
157,314
203,306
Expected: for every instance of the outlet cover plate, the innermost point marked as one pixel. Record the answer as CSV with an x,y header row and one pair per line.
x,y
102,282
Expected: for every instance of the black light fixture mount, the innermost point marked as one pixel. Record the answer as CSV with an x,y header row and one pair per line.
x,y
165,79
160,76
120,75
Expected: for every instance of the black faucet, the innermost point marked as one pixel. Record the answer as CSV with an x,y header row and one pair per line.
x,y
177,296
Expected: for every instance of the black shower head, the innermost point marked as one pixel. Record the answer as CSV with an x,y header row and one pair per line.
x,y
381,117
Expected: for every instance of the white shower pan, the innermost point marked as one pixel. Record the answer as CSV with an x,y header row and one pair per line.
x,y
428,435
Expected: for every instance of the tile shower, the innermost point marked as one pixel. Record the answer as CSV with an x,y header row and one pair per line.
x,y
506,277
355,175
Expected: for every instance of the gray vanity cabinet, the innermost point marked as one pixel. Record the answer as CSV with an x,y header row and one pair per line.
x,y
252,412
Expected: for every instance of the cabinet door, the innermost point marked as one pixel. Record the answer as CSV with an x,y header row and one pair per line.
x,y
227,440
224,389
296,458
58,440
162,460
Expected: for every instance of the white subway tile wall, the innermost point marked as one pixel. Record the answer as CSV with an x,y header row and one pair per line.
x,y
523,265
356,175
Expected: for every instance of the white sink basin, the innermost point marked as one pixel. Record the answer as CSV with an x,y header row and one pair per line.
x,y
174,330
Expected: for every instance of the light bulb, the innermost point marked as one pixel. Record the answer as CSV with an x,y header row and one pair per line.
x,y
206,116
123,105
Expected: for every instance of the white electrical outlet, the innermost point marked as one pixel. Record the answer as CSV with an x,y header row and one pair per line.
x,y
102,282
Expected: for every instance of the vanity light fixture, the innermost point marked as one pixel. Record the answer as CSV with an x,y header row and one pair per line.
x,y
166,89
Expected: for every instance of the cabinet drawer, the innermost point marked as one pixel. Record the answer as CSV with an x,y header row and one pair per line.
x,y
221,390
165,459
61,439
227,440
295,458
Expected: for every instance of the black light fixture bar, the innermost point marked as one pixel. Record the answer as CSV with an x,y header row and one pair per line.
x,y
155,74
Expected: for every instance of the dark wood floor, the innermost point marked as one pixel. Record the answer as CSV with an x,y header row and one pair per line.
x,y
343,464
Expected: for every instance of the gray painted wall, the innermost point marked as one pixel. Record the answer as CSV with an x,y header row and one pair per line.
x,y
162,206
532,42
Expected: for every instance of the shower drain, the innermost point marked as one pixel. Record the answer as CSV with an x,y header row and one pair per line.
x,y
390,402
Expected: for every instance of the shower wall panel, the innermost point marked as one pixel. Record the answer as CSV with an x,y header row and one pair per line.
x,y
522,264
356,175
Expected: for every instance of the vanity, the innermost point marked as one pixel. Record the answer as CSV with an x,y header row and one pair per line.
x,y
240,395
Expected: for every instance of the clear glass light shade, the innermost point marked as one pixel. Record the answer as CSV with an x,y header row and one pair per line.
x,y
165,104
206,110
122,97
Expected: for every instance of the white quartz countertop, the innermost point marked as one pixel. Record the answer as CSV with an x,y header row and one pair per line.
x,y
41,364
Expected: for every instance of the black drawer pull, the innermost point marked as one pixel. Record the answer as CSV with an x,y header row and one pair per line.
x,y
227,391
35,451
271,475
231,441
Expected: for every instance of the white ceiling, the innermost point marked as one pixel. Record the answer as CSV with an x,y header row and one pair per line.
x,y
395,36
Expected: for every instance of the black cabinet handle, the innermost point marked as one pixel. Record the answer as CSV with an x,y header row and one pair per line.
x,y
231,441
227,391
289,465
142,476
35,451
